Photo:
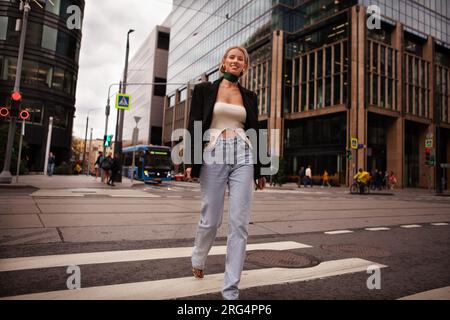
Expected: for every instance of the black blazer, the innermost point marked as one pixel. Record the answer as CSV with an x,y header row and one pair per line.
x,y
204,98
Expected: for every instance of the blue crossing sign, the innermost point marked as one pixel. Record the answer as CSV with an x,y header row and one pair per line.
x,y
123,101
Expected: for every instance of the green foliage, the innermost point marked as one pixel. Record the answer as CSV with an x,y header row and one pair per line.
x,y
4,128
63,169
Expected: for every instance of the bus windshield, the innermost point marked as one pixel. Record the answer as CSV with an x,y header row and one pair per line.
x,y
157,159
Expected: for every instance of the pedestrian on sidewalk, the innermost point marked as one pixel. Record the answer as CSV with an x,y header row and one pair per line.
x,y
106,167
325,179
301,176
227,162
51,164
392,180
97,164
308,177
116,168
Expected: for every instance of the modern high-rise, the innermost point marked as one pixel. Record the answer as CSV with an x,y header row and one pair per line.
x,y
328,78
49,74
148,66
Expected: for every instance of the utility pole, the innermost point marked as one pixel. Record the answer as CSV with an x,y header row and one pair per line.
x,y
85,143
121,113
89,158
5,175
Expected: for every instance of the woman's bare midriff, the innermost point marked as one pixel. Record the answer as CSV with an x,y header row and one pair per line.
x,y
228,133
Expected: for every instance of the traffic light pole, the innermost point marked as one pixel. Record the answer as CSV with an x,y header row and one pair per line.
x,y
5,175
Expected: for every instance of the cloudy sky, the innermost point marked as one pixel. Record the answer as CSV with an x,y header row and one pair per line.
x,y
102,56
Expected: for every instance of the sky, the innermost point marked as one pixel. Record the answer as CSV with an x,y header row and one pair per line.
x,y
102,56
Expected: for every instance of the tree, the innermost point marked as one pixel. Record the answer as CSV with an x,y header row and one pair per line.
x,y
4,128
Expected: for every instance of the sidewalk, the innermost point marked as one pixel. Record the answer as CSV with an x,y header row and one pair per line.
x,y
66,182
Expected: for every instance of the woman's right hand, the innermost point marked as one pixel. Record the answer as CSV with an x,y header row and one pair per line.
x,y
187,173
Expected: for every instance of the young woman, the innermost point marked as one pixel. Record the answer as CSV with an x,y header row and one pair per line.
x,y
225,110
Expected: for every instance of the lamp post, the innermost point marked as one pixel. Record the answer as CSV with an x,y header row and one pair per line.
x,y
119,133
5,175
85,139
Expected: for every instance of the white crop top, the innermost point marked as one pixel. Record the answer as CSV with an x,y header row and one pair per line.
x,y
227,116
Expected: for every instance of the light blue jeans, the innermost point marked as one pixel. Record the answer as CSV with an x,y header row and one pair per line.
x,y
228,163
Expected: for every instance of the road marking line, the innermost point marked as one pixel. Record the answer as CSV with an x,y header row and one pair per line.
x,y
410,226
338,232
77,259
436,294
440,224
378,229
188,286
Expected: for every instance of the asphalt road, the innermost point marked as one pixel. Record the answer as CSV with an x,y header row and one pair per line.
x,y
412,252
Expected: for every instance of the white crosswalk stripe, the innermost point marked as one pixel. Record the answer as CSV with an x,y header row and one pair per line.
x,y
182,287
78,259
188,286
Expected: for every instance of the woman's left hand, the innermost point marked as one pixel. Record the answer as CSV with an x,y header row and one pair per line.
x,y
260,184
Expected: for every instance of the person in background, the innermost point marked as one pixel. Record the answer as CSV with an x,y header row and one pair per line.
x,y
97,164
51,164
308,177
301,176
326,179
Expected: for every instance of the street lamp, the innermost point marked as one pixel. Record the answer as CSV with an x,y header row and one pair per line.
x,y
121,113
85,138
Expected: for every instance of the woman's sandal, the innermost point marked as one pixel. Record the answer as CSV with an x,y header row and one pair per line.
x,y
198,274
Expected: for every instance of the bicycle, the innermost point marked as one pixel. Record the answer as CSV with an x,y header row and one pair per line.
x,y
355,188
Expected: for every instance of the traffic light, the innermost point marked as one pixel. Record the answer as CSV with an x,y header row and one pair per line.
x,y
24,114
4,112
107,141
16,99
429,158
349,155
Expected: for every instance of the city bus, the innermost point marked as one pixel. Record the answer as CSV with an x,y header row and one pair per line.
x,y
152,163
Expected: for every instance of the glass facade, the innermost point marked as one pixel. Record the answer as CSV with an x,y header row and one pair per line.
x,y
197,44
49,73
428,17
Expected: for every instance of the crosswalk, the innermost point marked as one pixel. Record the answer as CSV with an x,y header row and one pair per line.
x,y
177,287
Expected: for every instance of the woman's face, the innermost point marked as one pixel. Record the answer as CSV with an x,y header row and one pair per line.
x,y
235,62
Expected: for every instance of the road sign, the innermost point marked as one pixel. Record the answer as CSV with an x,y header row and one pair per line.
x,y
445,165
123,101
429,143
355,144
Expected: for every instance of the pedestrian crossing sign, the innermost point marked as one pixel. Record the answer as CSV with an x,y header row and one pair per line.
x,y
354,144
123,101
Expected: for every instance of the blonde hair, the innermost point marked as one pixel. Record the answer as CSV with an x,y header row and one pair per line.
x,y
246,60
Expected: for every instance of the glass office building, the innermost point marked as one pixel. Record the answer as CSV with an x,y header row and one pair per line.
x,y
325,77
49,74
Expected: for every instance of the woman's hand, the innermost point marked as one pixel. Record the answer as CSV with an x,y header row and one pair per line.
x,y
187,174
260,184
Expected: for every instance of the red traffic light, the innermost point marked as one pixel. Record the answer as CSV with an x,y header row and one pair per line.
x,y
16,96
4,112
24,115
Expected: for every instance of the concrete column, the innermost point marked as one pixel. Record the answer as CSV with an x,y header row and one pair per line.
x,y
430,173
276,99
358,113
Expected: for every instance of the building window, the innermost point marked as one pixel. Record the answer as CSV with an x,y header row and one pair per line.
x,y
3,27
49,38
58,79
159,90
381,76
417,85
163,40
53,6
66,45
